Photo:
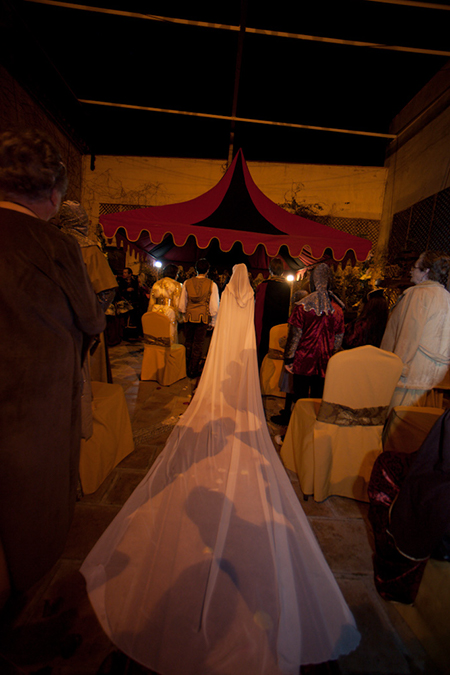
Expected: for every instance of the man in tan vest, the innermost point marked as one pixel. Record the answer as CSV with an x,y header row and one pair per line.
x,y
199,302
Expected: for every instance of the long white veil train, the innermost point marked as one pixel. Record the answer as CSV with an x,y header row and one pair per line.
x,y
211,566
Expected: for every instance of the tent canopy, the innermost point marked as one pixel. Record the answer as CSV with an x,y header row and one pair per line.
x,y
233,211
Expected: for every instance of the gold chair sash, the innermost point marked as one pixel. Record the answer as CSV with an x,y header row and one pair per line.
x,y
275,354
344,416
159,341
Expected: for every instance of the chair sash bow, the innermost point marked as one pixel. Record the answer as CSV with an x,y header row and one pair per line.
x,y
159,341
344,416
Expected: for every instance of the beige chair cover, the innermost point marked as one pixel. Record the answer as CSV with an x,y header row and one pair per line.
x,y
112,438
408,426
333,449
163,360
297,451
272,364
211,567
98,366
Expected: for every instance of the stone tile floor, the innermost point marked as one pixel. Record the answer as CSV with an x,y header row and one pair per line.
x,y
53,631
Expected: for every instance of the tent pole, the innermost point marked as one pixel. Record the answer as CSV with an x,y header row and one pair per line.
x,y
237,76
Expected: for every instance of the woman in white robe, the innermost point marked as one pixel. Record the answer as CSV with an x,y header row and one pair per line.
x,y
211,565
418,330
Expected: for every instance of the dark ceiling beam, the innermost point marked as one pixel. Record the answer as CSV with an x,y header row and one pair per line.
x,y
255,31
413,3
238,119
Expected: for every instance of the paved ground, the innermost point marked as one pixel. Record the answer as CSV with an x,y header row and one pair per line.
x,y
54,631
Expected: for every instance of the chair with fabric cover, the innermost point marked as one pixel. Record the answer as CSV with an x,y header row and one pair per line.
x,y
441,391
272,365
332,443
407,427
99,365
112,437
163,360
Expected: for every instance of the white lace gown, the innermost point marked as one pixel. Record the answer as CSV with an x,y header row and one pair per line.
x,y
211,566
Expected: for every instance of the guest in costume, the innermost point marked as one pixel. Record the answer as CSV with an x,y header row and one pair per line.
x,y
271,305
368,328
128,284
418,330
286,382
131,292
199,302
74,221
410,513
316,329
181,275
164,298
49,315
211,566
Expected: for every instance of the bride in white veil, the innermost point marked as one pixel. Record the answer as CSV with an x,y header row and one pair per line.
x,y
211,566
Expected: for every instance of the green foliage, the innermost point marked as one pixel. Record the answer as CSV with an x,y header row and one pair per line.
x,y
351,283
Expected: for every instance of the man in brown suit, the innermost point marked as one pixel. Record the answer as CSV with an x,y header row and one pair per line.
x,y
199,302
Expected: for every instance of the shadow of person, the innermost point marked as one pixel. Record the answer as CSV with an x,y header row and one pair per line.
x,y
210,607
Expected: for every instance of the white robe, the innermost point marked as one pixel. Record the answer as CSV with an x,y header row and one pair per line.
x,y
211,566
418,331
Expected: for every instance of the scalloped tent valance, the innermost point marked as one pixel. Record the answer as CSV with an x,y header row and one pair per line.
x,y
235,210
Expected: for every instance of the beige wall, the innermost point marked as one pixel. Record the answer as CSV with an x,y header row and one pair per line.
x,y
341,191
421,166
419,160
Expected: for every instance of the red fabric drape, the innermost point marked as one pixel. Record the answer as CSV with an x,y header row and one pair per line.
x,y
235,210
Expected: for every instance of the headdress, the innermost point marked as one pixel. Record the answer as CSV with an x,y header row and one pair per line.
x,y
320,299
73,219
239,285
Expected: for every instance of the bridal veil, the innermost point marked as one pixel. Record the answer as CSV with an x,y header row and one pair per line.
x,y
211,566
